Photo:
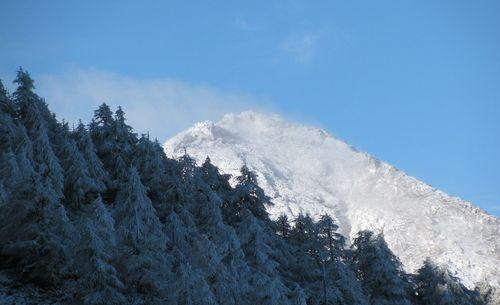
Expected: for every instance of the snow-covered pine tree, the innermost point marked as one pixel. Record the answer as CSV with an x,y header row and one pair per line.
x,y
79,187
267,287
45,160
111,140
190,287
87,149
102,133
25,91
195,254
6,104
101,129
34,228
100,283
9,174
248,195
35,232
188,170
337,271
309,269
194,226
8,142
228,272
124,137
330,239
349,287
217,181
379,270
59,135
143,260
283,226
435,285
13,140
7,126
305,237
135,215
149,161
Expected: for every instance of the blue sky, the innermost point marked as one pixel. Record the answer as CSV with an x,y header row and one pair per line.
x,y
415,83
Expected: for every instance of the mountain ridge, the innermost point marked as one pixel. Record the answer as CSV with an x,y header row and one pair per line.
x,y
361,191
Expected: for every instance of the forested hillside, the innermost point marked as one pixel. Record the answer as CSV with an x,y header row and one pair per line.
x,y
96,214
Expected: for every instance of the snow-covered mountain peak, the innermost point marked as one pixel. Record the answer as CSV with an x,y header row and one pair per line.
x,y
256,125
203,129
305,169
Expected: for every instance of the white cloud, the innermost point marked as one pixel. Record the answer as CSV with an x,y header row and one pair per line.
x,y
301,46
160,106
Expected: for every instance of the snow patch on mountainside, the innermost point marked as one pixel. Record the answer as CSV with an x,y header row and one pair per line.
x,y
305,169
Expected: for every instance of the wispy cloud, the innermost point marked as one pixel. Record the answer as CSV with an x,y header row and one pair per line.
x,y
301,46
160,106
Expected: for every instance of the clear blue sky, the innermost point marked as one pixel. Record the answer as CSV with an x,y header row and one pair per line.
x,y
415,83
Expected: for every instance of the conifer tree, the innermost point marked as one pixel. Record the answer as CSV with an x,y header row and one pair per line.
x,y
3,95
9,172
437,286
219,183
15,142
194,252
135,215
379,270
9,140
6,104
283,226
102,133
143,260
45,161
328,273
344,279
88,151
188,169
190,287
211,175
249,195
99,278
124,137
114,144
59,135
150,164
79,187
265,280
35,229
226,256
309,266
331,241
305,236
35,232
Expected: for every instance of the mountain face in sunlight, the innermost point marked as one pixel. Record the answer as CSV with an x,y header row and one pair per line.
x,y
305,169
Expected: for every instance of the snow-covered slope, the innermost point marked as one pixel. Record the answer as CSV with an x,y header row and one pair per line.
x,y
306,169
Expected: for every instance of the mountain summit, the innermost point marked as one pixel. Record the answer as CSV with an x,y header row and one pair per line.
x,y
305,169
